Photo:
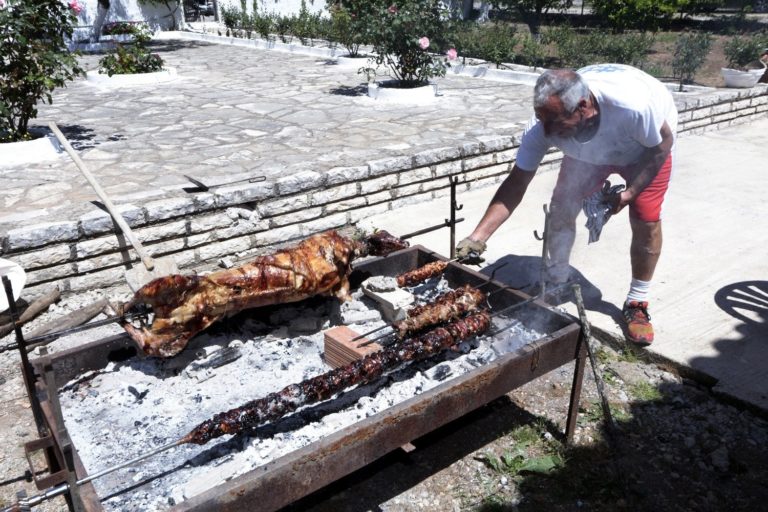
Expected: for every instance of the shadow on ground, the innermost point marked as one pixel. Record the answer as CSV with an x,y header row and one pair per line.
x,y
346,90
675,447
523,273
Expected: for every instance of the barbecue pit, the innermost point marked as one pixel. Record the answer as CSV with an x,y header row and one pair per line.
x,y
236,472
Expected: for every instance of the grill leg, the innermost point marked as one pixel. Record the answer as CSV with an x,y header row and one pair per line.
x,y
578,379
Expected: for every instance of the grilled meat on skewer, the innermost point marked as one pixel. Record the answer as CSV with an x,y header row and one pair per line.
x,y
421,274
278,404
184,305
448,306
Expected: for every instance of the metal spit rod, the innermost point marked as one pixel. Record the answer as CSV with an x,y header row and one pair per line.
x,y
45,338
26,503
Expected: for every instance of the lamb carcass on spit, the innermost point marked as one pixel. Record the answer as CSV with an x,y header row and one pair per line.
x,y
184,305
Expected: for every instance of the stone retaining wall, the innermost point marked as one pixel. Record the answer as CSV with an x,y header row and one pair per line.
x,y
237,222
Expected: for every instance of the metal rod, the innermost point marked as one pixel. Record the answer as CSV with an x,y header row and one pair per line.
x,y
365,335
587,332
63,488
454,208
26,368
429,229
525,302
147,455
85,327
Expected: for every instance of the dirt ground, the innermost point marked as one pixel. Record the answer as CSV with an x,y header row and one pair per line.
x,y
675,446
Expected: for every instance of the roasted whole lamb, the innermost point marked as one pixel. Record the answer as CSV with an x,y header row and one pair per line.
x,y
448,306
278,404
184,305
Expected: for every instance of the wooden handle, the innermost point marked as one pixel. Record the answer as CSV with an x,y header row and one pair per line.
x,y
145,258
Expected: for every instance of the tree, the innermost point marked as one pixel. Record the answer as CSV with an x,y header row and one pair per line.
x,y
640,14
533,11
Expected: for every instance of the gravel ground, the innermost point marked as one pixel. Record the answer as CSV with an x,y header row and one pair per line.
x,y
675,447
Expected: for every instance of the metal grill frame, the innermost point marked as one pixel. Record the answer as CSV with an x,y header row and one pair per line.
x,y
311,468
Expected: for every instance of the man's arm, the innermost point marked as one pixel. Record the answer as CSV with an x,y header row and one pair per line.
x,y
647,168
504,202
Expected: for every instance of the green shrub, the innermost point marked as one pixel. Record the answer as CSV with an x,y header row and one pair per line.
x,y
262,24
34,59
131,58
690,52
626,48
283,26
576,50
497,43
494,42
741,50
532,52
230,15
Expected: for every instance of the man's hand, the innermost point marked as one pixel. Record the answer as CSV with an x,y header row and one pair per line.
x,y
469,251
619,200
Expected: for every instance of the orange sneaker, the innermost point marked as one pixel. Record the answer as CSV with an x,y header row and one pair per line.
x,y
639,328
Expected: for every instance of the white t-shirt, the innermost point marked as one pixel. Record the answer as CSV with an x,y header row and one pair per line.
x,y
633,107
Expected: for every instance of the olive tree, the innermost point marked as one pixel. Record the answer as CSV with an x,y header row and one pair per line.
x,y
532,12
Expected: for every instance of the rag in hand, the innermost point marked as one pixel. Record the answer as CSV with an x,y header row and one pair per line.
x,y
597,207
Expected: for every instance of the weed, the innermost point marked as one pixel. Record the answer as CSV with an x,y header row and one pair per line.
x,y
629,355
646,392
603,356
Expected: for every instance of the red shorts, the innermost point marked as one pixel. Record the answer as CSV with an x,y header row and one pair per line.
x,y
579,179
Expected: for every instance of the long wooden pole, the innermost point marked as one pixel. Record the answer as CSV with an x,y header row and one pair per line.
x,y
145,258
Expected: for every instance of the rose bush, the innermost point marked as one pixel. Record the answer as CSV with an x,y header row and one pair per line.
x,y
34,59
404,34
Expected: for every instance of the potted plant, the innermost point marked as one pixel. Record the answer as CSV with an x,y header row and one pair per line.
x,y
404,34
744,68
133,58
34,59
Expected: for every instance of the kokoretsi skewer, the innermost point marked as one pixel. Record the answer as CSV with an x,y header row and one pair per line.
x,y
448,306
278,404
421,274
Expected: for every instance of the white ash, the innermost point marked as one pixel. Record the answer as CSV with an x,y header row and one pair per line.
x,y
131,407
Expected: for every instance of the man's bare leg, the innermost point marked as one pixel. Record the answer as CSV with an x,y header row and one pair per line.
x,y
645,249
644,254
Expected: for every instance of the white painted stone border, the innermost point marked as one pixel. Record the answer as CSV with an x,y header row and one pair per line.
x,y
42,149
499,75
96,78
396,95
353,62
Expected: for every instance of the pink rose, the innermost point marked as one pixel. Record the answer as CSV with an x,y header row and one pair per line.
x,y
424,42
75,6
392,9
2,4
451,54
